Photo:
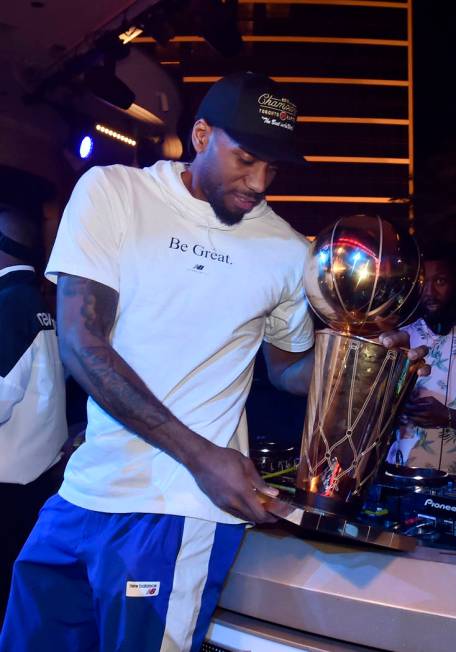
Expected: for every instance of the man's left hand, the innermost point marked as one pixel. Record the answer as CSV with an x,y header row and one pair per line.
x,y
395,339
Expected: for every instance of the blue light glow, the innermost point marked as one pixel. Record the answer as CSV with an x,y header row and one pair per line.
x,y
323,255
86,147
356,257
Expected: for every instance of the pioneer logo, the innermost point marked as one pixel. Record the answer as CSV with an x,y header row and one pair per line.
x,y
443,506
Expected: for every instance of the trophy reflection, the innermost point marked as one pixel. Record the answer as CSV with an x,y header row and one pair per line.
x,y
363,277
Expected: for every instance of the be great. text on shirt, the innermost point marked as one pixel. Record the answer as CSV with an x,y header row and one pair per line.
x,y
199,250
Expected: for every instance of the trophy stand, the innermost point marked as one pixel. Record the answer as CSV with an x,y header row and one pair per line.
x,y
311,519
356,391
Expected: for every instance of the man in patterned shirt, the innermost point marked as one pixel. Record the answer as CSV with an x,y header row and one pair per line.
x,y
427,436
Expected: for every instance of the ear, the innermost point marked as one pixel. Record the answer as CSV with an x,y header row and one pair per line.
x,y
201,134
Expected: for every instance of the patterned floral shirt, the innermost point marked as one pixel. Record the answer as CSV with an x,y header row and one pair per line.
x,y
431,447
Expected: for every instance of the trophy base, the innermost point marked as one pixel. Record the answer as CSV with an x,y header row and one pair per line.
x,y
311,518
327,505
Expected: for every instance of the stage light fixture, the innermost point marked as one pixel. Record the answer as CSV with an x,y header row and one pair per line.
x,y
86,147
157,22
130,34
103,83
106,131
218,25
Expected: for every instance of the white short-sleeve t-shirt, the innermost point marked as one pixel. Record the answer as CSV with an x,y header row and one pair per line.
x,y
196,299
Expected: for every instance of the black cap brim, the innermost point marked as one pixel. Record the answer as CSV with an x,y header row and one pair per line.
x,y
267,149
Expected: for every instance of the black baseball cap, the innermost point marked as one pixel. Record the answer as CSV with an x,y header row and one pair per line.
x,y
255,112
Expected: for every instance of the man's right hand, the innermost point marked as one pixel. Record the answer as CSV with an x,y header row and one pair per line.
x,y
232,482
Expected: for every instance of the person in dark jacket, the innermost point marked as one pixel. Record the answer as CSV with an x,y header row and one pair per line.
x,y
32,391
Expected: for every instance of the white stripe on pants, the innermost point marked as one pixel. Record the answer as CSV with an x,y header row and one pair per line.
x,y
188,585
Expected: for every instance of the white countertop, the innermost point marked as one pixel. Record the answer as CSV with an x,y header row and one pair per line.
x,y
367,596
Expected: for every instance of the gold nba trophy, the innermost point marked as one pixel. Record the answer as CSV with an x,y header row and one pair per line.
x,y
362,278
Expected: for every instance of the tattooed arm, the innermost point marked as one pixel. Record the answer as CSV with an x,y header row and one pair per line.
x,y
85,316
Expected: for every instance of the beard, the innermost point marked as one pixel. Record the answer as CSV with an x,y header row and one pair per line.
x,y
216,195
230,218
440,321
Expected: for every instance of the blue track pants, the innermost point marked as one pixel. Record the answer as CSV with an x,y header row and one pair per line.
x,y
89,581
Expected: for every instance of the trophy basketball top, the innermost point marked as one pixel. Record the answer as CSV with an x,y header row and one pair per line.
x,y
363,276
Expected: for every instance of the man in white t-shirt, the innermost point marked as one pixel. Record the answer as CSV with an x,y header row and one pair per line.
x,y
427,435
169,280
